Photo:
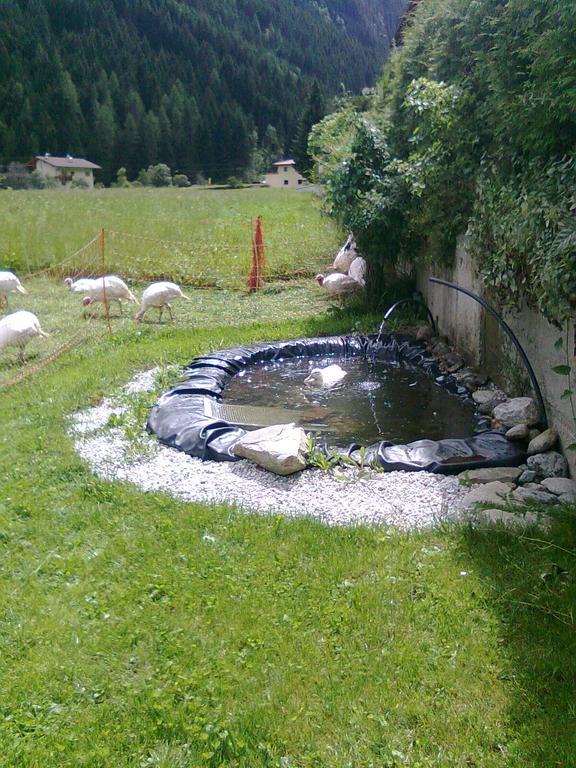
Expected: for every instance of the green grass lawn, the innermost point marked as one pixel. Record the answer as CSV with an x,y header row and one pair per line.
x,y
141,631
199,236
137,630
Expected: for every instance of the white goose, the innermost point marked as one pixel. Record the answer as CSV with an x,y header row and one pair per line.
x,y
160,295
9,283
101,289
17,329
325,377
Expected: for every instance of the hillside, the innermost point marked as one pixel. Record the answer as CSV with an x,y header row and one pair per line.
x,y
198,84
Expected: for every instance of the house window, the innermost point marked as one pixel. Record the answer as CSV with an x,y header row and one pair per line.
x,y
299,181
285,169
286,182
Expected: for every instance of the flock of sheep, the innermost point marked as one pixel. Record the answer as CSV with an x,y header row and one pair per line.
x,y
20,327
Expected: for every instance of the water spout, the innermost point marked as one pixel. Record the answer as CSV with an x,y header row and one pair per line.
x,y
390,311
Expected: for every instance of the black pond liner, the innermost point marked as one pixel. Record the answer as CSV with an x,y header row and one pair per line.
x,y
178,418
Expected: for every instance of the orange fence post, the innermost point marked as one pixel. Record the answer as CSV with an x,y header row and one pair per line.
x,y
256,277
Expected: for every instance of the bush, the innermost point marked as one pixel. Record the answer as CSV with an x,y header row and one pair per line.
x,y
121,179
233,182
181,180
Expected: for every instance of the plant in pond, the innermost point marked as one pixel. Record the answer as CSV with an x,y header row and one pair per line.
x,y
318,457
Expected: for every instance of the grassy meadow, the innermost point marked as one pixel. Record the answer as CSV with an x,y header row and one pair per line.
x,y
196,236
139,631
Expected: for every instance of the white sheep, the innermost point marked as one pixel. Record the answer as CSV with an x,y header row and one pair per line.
x,y
9,283
160,295
17,329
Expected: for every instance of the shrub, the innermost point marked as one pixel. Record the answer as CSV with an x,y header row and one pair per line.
x,y
181,180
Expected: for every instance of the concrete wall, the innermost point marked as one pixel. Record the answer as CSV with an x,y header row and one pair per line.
x,y
478,336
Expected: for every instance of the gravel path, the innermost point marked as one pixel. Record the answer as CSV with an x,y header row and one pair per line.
x,y
343,497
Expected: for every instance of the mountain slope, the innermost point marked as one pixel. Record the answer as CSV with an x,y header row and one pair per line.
x,y
194,83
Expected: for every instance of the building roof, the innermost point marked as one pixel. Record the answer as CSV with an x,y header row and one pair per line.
x,y
285,162
66,162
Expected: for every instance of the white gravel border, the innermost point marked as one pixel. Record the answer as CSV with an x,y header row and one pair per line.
x,y
349,496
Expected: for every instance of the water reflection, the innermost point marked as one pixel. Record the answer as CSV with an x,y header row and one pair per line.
x,y
376,400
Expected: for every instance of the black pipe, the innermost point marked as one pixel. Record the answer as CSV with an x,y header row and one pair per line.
x,y
413,299
512,336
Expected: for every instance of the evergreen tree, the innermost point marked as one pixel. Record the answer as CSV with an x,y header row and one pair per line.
x,y
313,113
186,82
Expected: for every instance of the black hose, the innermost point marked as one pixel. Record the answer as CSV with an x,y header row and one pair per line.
x,y
414,300
512,336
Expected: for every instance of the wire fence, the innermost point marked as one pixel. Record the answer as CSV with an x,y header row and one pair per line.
x,y
250,263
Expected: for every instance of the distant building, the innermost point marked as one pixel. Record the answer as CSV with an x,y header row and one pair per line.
x,y
284,175
65,169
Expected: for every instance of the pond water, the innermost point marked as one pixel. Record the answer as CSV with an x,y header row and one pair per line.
x,y
375,401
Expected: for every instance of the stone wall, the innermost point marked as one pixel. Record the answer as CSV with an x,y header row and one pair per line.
x,y
479,338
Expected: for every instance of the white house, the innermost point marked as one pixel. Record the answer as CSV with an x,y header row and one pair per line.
x,y
65,169
284,175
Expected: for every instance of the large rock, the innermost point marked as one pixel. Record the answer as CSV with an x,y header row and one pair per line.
x,y
487,493
543,442
550,464
559,485
280,449
519,410
538,494
489,475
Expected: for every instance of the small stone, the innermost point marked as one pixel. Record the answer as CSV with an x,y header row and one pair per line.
x,y
488,493
489,475
441,349
567,498
527,476
550,464
280,448
519,432
559,485
543,442
519,410
482,396
453,362
524,494
486,408
533,434
424,333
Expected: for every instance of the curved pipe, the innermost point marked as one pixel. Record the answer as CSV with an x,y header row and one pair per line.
x,y
511,335
413,300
